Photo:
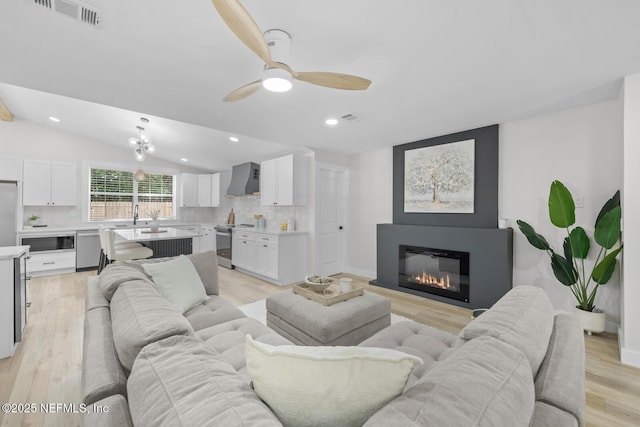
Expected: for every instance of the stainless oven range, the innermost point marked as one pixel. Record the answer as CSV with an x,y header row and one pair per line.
x,y
223,245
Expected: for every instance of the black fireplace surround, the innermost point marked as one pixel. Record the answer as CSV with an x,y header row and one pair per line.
x,y
490,259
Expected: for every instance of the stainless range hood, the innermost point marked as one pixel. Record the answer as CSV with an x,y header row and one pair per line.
x,y
245,179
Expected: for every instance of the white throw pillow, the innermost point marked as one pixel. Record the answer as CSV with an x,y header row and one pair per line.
x,y
178,281
326,386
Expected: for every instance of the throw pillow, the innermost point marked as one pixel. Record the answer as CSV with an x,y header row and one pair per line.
x,y
326,386
178,281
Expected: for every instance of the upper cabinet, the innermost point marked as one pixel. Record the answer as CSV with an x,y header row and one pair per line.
x,y
283,181
189,184
48,183
203,190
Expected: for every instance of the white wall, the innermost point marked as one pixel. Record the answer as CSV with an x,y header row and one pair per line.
x,y
370,190
581,147
28,140
629,332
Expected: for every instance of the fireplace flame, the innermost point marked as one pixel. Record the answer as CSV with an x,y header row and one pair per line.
x,y
428,279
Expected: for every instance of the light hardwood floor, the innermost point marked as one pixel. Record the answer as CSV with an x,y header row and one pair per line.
x,y
46,366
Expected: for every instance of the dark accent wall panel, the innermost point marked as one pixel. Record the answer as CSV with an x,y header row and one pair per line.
x,y
490,258
485,183
169,248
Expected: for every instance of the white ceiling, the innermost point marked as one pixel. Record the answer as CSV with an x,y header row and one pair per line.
x,y
437,66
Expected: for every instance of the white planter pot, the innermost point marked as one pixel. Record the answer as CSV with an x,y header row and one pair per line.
x,y
592,321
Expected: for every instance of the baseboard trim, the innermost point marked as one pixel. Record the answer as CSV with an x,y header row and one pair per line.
x,y
360,272
627,357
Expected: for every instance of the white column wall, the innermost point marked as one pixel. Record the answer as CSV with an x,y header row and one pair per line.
x,y
629,333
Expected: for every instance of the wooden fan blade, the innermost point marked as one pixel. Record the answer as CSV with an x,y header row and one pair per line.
x,y
5,114
244,91
334,80
242,24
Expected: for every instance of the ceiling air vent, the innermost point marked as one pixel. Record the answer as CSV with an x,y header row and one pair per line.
x,y
74,9
350,117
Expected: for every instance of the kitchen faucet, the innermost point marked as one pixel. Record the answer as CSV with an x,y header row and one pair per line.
x,y
135,214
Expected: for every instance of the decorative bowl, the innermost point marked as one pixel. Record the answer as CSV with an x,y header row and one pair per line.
x,y
317,283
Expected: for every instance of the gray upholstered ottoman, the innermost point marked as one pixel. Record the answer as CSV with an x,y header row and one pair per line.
x,y
307,322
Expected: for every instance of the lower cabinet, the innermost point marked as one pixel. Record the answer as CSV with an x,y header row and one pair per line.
x,y
48,263
208,239
277,258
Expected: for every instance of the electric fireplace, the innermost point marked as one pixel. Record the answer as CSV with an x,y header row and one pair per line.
x,y
436,271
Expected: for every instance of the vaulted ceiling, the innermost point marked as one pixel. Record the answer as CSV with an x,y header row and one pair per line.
x,y
436,66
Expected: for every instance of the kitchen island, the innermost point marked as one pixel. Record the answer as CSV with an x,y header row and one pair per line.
x,y
165,242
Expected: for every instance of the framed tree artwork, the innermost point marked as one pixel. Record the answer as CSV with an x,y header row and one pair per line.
x,y
440,178
450,180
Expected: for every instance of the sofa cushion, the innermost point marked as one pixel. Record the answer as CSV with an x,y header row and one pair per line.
x,y
94,297
522,318
545,415
485,382
213,311
429,344
109,412
102,374
326,386
140,316
229,338
206,264
178,281
180,381
564,365
113,275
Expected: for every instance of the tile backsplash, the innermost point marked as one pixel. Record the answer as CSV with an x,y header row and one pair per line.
x,y
245,207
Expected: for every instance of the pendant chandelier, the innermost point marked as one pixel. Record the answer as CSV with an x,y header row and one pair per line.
x,y
142,143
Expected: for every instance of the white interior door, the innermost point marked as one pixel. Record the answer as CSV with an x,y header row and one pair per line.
x,y
330,221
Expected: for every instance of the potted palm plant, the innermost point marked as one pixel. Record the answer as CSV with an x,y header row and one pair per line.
x,y
569,267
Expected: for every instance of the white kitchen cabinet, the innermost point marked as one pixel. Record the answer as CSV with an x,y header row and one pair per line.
x,y
51,263
266,256
189,187
10,169
203,190
278,258
283,181
48,183
208,239
243,250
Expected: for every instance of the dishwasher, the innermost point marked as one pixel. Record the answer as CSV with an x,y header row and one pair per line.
x,y
87,249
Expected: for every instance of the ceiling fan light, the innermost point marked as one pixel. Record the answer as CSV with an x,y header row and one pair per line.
x,y
145,138
276,80
133,141
151,148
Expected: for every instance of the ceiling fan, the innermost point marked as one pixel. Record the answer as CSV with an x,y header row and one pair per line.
x,y
273,48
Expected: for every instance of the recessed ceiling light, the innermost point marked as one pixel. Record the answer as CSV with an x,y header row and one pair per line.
x,y
184,160
54,119
331,122
233,139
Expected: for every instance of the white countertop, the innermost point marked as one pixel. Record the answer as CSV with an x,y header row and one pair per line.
x,y
143,234
53,230
12,251
270,231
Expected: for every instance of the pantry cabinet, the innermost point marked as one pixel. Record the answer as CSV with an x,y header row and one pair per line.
x,y
283,181
48,183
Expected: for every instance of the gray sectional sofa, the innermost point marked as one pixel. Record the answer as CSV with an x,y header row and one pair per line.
x,y
518,364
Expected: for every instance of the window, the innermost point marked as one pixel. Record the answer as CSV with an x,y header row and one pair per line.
x,y
114,193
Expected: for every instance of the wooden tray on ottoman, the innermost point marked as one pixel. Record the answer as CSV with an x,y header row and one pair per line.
x,y
329,296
